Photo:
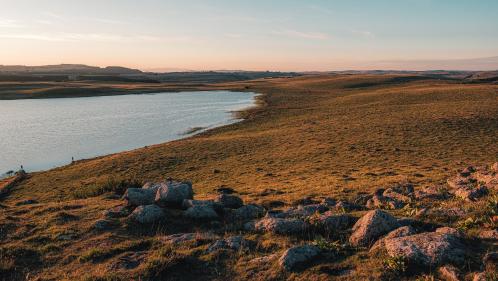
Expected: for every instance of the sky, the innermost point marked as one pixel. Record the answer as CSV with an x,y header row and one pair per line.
x,y
285,35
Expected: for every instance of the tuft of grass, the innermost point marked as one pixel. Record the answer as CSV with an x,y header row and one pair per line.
x,y
111,185
396,265
99,254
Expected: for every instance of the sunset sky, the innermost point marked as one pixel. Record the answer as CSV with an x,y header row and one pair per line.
x,y
250,35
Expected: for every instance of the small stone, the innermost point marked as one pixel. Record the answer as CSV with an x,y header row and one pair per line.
x,y
281,226
298,256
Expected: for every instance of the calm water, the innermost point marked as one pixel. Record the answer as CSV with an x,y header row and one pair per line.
x,y
41,134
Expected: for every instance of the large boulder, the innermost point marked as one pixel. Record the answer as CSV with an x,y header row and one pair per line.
x,y
229,201
427,249
201,212
398,232
298,256
281,226
139,196
172,194
371,226
147,214
248,212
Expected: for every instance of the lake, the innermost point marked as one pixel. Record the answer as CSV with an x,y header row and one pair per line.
x,y
44,133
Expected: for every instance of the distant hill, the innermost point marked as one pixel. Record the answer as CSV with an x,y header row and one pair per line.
x,y
78,69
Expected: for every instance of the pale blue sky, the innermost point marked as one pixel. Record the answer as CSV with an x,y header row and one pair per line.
x,y
253,35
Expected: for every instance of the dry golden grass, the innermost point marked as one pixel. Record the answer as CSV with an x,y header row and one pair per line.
x,y
319,136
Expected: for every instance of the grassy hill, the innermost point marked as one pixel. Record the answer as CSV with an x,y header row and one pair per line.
x,y
316,136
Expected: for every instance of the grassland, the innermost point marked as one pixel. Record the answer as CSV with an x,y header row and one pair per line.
x,y
311,136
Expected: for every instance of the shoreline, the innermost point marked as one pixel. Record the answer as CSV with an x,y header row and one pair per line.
x,y
236,116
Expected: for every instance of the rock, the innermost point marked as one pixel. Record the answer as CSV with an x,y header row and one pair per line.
x,y
281,226
346,206
329,202
470,192
449,273
187,203
118,212
429,192
371,226
298,256
451,231
304,201
147,214
489,234
172,194
395,195
201,212
139,196
302,211
152,186
428,249
104,224
180,238
231,243
230,201
329,222
248,212
382,202
398,232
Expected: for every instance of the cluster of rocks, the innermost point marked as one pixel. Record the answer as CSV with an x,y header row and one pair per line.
x,y
474,182
376,230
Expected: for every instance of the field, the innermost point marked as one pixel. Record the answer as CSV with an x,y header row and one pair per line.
x,y
315,136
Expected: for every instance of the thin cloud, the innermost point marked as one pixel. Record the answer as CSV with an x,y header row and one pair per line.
x,y
93,37
364,33
303,34
9,23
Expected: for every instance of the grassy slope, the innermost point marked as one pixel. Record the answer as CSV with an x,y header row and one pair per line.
x,y
312,136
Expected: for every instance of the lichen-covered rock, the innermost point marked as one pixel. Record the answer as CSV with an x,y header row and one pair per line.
x,y
382,202
281,226
231,243
449,273
450,230
230,201
428,249
147,214
201,212
248,212
172,194
302,211
398,232
371,226
332,223
298,256
139,196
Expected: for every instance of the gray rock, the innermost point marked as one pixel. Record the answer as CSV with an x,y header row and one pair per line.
x,y
396,195
298,256
172,194
330,222
230,201
398,232
371,226
449,273
451,231
471,192
382,202
139,196
428,249
231,243
147,214
248,212
104,224
187,203
153,186
180,238
281,226
429,192
201,212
